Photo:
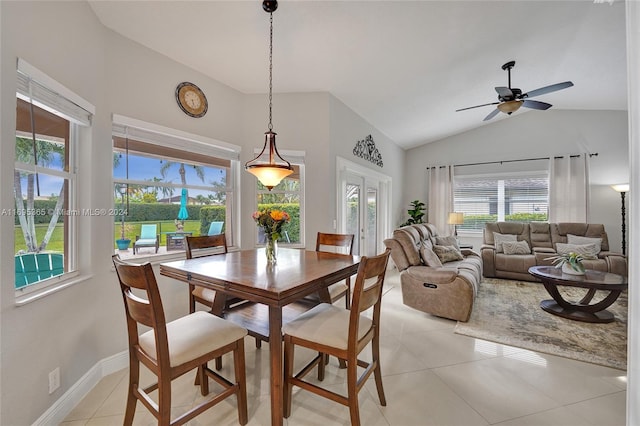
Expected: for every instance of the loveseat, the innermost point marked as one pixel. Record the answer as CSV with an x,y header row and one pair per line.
x,y
436,276
544,240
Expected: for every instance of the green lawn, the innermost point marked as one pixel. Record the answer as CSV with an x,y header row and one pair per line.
x,y
131,230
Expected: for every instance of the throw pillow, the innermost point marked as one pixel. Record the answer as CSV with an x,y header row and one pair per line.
x,y
516,247
447,253
447,241
500,238
579,240
429,258
588,251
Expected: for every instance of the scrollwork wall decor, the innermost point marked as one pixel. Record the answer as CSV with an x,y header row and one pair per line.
x,y
367,149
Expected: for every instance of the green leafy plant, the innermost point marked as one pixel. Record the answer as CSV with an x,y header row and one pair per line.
x,y
574,260
416,212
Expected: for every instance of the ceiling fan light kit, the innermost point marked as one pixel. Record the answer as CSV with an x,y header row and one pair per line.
x,y
510,106
510,99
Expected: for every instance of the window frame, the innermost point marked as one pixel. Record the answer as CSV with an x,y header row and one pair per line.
x,y
154,134
37,88
296,158
500,176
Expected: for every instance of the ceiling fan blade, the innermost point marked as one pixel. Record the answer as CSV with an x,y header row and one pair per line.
x,y
547,89
491,114
529,103
477,106
504,92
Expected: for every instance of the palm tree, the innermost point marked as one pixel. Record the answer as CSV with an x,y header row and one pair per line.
x,y
26,150
164,169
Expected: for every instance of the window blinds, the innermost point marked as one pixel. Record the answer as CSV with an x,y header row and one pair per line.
x,y
33,85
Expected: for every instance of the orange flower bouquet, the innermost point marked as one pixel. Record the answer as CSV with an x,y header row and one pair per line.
x,y
271,222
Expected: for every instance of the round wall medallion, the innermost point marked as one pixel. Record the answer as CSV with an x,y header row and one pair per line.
x,y
191,99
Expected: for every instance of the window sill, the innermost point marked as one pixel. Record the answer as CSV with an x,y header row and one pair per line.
x,y
25,297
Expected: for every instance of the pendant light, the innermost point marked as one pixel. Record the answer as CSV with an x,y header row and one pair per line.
x,y
270,174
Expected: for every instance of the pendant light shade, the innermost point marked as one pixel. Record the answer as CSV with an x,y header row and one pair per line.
x,y
270,172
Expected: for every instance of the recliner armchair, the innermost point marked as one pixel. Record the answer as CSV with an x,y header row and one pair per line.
x,y
448,290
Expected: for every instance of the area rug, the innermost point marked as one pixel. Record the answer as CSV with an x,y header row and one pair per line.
x,y
508,312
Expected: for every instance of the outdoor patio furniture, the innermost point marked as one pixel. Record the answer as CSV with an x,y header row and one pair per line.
x,y
148,237
215,228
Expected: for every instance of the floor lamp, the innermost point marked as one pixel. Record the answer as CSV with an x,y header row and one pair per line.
x,y
455,219
622,188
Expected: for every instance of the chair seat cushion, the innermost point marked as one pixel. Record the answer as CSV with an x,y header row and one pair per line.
x,y
192,336
326,324
146,242
204,293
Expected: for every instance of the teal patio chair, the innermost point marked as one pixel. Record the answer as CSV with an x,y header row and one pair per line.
x,y
215,228
148,238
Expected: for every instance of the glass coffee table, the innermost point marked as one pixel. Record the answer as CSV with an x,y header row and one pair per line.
x,y
582,310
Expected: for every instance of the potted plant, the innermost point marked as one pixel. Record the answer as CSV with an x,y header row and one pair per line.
x,y
123,242
571,263
416,212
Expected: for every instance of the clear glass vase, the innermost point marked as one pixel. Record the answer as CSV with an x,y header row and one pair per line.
x,y
271,250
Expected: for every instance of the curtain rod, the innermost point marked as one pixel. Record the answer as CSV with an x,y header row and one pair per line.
x,y
513,161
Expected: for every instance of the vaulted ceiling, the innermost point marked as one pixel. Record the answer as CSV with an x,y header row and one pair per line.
x,y
404,66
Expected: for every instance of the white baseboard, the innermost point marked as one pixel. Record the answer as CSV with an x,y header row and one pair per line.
x,y
72,397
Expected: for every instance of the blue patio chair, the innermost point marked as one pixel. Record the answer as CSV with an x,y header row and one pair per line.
x,y
148,238
215,228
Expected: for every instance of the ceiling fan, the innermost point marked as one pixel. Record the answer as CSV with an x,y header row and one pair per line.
x,y
510,99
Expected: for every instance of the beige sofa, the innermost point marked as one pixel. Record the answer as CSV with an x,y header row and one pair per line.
x,y
447,290
543,238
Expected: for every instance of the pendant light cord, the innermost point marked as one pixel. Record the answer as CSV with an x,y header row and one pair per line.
x,y
270,68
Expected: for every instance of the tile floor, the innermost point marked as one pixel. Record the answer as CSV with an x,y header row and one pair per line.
x,y
432,377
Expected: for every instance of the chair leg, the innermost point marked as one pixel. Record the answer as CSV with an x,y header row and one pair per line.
x,y
219,363
258,343
204,380
134,382
347,295
352,391
324,360
164,400
288,374
377,373
241,380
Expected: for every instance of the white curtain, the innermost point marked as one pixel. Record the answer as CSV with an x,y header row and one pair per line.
x,y
569,188
440,202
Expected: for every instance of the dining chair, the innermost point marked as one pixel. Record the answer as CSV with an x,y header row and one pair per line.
x,y
345,334
172,349
217,302
335,243
148,238
200,246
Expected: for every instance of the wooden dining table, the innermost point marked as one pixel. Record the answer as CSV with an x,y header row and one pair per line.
x,y
245,274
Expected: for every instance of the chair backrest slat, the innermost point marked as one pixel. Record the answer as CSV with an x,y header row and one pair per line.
x,y
205,245
139,309
340,243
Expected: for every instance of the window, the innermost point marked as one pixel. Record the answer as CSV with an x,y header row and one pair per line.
x,y
170,184
51,124
286,196
520,198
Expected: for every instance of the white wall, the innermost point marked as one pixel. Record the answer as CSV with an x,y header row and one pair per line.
x,y
347,128
540,134
77,327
